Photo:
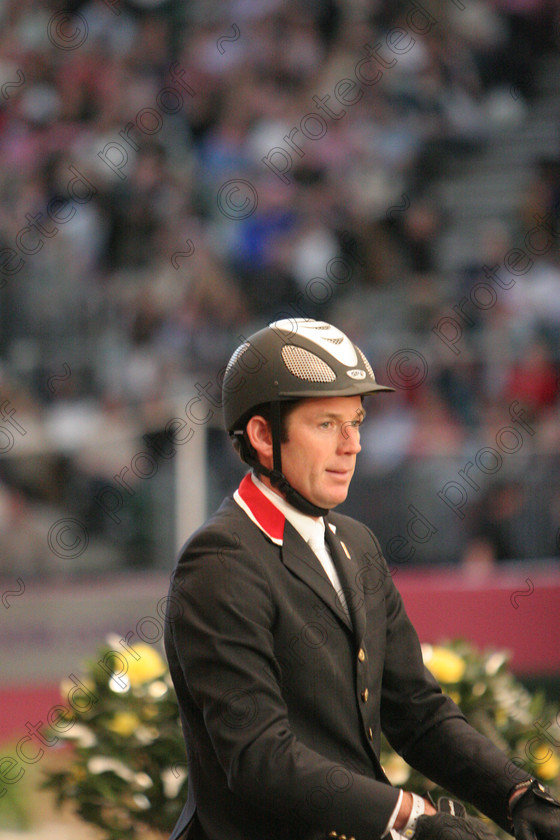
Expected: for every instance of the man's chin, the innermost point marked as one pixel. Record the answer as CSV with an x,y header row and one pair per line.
x,y
333,494
333,499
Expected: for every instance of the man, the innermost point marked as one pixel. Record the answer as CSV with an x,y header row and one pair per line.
x,y
289,646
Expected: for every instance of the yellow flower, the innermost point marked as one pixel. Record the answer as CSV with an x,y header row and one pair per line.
x,y
123,723
500,716
149,711
148,667
445,665
547,762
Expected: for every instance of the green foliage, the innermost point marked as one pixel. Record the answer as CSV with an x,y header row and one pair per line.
x,y
128,766
127,773
496,704
14,804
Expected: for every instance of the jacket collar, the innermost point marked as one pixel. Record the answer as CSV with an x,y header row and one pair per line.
x,y
302,561
269,511
260,510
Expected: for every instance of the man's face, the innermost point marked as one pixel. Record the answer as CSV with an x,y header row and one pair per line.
x,y
323,440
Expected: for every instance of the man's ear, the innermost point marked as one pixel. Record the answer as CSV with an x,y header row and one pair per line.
x,y
260,437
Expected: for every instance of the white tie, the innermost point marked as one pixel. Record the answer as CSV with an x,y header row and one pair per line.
x,y
316,540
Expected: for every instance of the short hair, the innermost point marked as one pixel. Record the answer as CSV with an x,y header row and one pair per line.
x,y
242,444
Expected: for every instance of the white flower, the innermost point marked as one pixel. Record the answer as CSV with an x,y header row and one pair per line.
x,y
172,779
116,685
100,764
84,736
113,640
427,651
157,689
143,781
146,734
494,663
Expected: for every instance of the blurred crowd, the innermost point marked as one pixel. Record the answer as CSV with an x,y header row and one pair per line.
x,y
175,174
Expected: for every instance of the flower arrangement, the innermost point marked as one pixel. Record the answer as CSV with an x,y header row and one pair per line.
x,y
128,771
523,725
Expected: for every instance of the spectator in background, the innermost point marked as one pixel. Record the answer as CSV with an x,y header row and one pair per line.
x,y
493,540
104,291
533,380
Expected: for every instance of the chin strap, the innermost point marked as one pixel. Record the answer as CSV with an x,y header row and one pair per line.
x,y
279,480
276,476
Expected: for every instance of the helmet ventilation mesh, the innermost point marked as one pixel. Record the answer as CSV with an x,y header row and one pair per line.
x,y
366,364
237,355
306,365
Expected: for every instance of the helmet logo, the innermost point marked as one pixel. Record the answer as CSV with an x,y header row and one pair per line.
x,y
356,373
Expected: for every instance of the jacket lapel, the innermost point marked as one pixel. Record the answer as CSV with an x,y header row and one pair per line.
x,y
298,557
348,572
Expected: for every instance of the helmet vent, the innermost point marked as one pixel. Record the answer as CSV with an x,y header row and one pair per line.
x,y
335,340
306,365
366,364
236,356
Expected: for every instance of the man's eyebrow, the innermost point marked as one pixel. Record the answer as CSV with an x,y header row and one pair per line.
x,y
333,415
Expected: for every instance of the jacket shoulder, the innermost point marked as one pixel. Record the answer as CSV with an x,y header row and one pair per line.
x,y
223,560
227,528
352,528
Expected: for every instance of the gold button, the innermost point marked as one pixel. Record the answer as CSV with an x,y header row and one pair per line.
x,y
342,837
361,654
370,733
365,695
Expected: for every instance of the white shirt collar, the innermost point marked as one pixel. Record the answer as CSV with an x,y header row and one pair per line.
x,y
312,530
305,525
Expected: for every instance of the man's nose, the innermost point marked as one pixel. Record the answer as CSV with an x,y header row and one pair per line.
x,y
349,439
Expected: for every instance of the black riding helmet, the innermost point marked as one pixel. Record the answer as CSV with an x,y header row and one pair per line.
x,y
289,360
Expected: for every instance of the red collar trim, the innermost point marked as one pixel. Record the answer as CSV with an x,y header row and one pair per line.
x,y
261,510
